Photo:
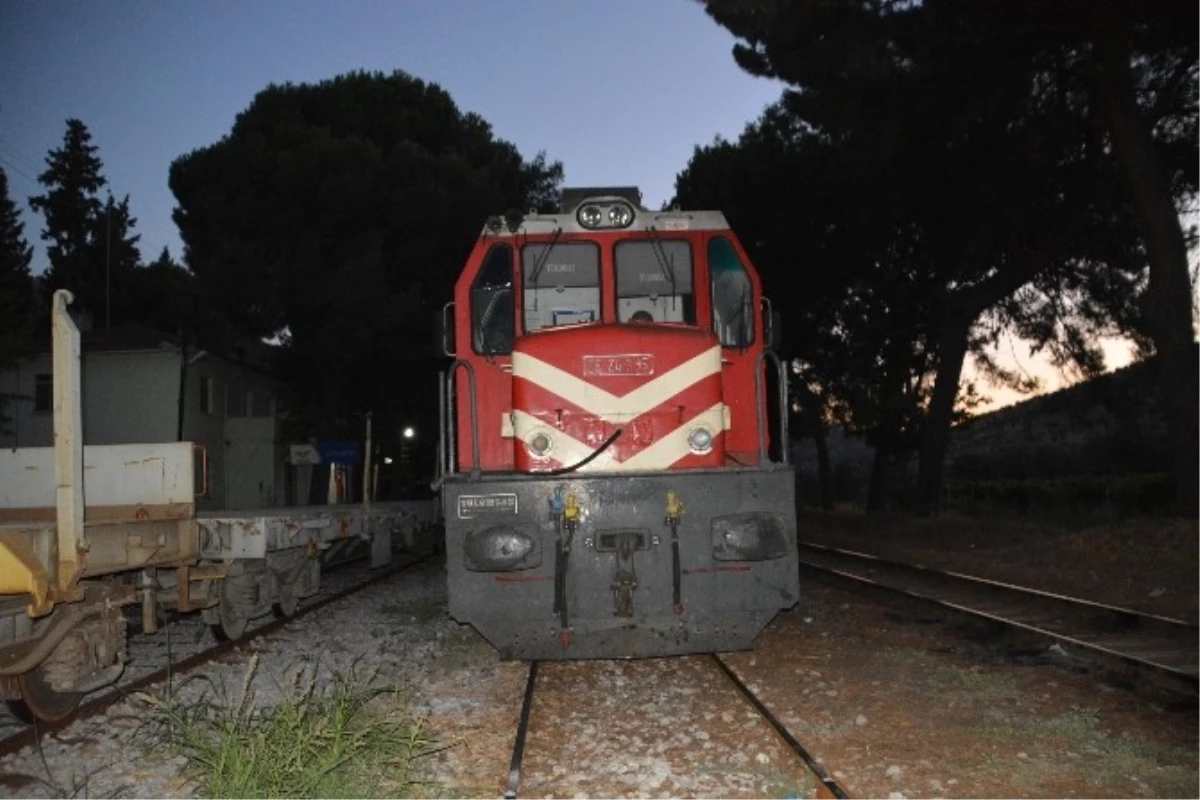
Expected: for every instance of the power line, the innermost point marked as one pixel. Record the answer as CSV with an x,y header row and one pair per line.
x,y
16,151
16,169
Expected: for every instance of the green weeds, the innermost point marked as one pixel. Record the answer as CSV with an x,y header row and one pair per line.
x,y
345,738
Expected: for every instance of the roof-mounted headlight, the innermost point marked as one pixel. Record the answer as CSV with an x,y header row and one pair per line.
x,y
620,216
616,214
590,216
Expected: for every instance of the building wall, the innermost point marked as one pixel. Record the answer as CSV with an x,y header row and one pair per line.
x,y
133,398
231,410
128,398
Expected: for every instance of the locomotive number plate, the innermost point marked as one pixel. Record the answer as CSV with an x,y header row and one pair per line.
x,y
470,505
627,364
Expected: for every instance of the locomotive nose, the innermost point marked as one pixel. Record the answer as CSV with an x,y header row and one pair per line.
x,y
608,397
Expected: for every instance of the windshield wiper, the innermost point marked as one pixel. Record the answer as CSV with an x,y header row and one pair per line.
x,y
541,263
668,269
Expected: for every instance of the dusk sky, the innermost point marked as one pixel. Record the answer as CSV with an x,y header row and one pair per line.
x,y
619,91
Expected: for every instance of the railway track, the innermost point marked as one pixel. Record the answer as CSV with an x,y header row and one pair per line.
x,y
1161,648
186,642
826,786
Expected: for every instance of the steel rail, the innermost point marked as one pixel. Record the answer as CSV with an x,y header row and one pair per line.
x,y
830,786
1145,640
518,755
31,734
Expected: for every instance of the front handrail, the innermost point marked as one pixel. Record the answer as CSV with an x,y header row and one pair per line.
x,y
784,445
452,448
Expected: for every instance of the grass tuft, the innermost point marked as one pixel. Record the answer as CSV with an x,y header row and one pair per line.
x,y
343,738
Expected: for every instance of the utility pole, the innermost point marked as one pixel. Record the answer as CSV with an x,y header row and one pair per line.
x,y
107,260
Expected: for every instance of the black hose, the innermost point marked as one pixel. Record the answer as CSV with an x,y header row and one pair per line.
x,y
607,442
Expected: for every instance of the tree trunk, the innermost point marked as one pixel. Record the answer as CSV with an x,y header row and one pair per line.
x,y
935,434
877,492
824,470
1169,294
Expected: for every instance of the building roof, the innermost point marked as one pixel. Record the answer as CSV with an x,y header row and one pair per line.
x,y
126,337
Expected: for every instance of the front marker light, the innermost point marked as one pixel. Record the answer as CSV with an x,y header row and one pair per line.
x,y
700,440
540,444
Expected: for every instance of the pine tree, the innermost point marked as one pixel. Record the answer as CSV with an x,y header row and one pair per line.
x,y
16,287
112,250
71,207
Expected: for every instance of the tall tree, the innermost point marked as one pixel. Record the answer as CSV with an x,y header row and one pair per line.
x,y
162,295
991,113
73,179
112,250
16,286
337,215
844,265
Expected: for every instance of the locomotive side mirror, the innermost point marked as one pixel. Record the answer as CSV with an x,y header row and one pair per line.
x,y
772,326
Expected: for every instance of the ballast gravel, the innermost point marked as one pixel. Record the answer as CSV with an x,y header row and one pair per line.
x,y
654,728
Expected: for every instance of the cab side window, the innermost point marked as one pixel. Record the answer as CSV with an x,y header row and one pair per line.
x,y
493,315
732,295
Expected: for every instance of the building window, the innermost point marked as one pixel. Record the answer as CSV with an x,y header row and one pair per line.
x,y
43,392
262,405
206,395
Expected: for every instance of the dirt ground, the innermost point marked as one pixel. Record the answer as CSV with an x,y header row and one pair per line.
x,y
1145,564
899,699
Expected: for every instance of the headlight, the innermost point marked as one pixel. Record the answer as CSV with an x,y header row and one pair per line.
x,y
540,444
700,440
620,216
605,215
590,216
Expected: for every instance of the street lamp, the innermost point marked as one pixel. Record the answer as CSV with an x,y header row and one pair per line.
x,y
409,433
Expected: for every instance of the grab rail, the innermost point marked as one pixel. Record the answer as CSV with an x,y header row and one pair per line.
x,y
783,407
451,443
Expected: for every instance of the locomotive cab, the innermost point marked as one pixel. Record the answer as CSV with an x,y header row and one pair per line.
x,y
610,372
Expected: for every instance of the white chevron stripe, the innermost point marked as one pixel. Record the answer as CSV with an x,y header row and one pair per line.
x,y
610,407
660,455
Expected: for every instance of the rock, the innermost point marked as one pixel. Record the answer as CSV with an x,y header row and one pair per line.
x,y
893,772
763,758
860,720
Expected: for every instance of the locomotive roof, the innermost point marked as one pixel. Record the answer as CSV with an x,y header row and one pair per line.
x,y
643,220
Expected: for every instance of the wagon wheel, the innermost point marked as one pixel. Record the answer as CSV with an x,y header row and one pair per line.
x,y
233,611
288,600
43,701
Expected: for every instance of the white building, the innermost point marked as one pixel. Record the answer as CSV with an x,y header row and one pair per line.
x,y
132,382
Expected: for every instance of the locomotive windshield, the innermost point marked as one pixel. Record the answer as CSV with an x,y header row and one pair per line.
x,y
562,284
655,278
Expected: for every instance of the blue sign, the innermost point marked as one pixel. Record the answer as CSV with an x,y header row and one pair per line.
x,y
339,452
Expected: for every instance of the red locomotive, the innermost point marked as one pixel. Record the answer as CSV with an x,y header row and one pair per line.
x,y
605,477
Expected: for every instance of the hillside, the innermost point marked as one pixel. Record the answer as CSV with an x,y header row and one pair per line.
x,y
1111,425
